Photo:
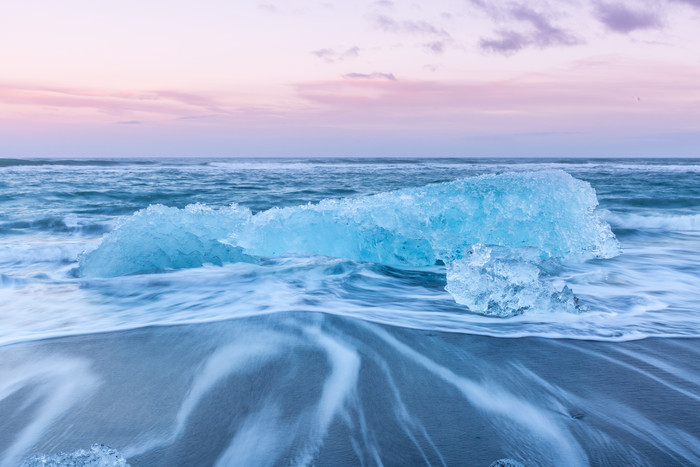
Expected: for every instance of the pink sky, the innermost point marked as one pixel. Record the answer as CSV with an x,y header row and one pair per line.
x,y
444,78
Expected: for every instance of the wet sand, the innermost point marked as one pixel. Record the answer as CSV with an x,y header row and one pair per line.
x,y
312,388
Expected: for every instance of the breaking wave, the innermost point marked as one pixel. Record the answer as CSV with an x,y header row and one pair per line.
x,y
679,223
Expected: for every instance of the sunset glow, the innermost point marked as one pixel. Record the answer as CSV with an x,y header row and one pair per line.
x,y
307,78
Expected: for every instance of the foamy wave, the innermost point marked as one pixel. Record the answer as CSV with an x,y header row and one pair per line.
x,y
99,455
680,223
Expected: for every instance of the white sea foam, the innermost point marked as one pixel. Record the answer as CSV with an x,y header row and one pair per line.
x,y
649,290
678,223
59,383
99,455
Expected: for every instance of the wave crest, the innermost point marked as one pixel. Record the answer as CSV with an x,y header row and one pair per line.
x,y
678,223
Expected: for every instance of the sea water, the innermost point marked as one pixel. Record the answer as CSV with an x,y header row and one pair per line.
x,y
374,272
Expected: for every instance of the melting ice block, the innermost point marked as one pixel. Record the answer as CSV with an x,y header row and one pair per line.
x,y
550,211
504,284
549,215
160,238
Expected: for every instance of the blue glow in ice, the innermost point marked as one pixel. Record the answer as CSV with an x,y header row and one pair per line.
x,y
161,238
505,283
550,211
528,217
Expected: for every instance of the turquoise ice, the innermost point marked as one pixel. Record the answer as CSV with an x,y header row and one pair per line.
x,y
542,215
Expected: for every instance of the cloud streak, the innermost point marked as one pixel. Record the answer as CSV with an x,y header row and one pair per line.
x,y
423,28
694,3
331,55
436,47
576,100
619,18
375,75
539,31
134,107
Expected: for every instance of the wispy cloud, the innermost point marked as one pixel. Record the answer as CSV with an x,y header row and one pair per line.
x,y
383,4
375,75
332,55
269,7
198,117
436,47
134,107
695,3
574,99
622,19
539,30
389,24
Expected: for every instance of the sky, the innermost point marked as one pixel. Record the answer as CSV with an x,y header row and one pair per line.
x,y
469,78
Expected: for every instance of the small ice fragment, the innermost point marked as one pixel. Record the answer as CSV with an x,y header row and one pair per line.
x,y
99,455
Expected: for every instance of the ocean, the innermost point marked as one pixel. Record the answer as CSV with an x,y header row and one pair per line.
x,y
349,312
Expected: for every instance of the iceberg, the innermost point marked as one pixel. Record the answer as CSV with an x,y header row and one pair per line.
x,y
160,238
550,211
502,285
548,214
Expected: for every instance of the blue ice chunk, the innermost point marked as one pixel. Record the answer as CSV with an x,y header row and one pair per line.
x,y
504,284
160,238
549,212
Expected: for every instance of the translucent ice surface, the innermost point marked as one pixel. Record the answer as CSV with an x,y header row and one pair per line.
x,y
526,217
160,238
549,211
504,286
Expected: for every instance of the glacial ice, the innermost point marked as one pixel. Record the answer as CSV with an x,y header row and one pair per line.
x,y
503,285
160,238
550,211
542,215
99,455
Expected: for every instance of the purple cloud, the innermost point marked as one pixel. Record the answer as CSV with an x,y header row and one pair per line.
x,y
198,117
436,47
506,42
388,24
269,7
375,75
542,33
621,19
330,55
695,3
384,4
545,33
